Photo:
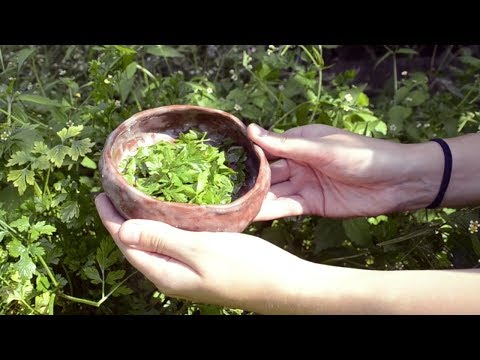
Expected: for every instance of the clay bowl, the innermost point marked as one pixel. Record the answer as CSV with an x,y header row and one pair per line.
x,y
164,124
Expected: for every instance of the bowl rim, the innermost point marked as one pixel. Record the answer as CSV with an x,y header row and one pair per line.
x,y
106,157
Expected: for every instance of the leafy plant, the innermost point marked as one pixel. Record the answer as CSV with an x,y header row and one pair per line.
x,y
188,170
59,103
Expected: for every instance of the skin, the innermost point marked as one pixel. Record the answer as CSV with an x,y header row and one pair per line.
x,y
321,171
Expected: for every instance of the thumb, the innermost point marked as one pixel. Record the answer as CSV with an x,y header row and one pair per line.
x,y
157,237
291,144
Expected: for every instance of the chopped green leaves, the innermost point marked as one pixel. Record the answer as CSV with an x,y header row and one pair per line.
x,y
188,170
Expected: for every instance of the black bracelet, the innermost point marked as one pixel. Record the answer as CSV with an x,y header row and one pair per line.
x,y
447,172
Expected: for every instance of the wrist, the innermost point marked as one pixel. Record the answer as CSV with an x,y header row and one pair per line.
x,y
422,170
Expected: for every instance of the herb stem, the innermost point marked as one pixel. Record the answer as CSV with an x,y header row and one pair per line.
x,y
49,272
34,69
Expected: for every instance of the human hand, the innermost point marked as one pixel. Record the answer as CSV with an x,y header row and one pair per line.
x,y
334,173
227,269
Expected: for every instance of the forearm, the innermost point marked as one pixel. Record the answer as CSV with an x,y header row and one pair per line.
x,y
422,172
322,289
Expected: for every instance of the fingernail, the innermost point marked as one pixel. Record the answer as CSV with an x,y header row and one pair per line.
x,y
259,131
130,233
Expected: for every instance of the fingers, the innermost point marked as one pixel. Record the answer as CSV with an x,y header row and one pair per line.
x,y
166,272
282,207
283,189
280,171
160,238
111,219
291,144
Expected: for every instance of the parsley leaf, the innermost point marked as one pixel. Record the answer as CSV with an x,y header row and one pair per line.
x,y
188,171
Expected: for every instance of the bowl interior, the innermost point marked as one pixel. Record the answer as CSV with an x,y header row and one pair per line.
x,y
165,125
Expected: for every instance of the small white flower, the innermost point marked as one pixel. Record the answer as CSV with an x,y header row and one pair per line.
x,y
4,135
281,87
11,78
269,52
191,72
348,98
408,99
29,86
117,103
237,107
106,81
426,125
209,90
109,76
419,124
404,73
62,72
180,72
393,128
234,77
69,123
249,67
473,227
78,95
231,71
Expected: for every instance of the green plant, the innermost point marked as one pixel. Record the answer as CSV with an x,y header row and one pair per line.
x,y
59,103
188,170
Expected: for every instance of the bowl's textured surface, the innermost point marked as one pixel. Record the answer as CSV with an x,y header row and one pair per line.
x,y
165,123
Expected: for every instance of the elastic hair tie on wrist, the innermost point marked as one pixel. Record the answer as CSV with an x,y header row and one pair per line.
x,y
447,172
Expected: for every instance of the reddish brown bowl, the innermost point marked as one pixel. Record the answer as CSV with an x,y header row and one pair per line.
x,y
164,123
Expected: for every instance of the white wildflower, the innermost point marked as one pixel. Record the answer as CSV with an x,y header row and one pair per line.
x,y
4,135
348,98
473,227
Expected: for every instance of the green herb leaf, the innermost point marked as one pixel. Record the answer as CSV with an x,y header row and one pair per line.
x,y
114,276
39,228
189,170
57,154
21,178
19,158
69,132
91,272
69,211
88,163
80,148
22,224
